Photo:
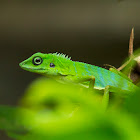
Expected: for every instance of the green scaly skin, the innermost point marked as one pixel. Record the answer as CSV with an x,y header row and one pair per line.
x,y
61,67
68,70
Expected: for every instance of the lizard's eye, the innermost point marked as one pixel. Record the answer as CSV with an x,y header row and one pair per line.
x,y
52,65
37,60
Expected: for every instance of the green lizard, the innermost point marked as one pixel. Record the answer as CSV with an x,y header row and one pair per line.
x,y
62,68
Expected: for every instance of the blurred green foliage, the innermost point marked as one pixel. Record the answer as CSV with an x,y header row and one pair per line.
x,y
57,111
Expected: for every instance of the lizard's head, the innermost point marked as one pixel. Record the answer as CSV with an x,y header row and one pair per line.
x,y
48,64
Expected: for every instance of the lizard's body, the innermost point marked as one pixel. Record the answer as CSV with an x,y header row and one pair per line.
x,y
61,68
65,69
103,77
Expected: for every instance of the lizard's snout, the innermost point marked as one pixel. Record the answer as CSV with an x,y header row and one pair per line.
x,y
21,64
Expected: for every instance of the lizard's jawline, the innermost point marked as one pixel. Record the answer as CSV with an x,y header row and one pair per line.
x,y
33,68
37,69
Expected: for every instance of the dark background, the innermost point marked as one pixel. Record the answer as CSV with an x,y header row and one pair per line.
x,y
92,31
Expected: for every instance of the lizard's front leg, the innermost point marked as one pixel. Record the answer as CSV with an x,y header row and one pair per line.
x,y
114,90
105,99
90,79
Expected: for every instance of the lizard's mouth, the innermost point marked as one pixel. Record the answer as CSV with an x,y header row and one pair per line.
x,y
36,68
28,68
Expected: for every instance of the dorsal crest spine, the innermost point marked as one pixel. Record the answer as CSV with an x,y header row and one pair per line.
x,y
62,55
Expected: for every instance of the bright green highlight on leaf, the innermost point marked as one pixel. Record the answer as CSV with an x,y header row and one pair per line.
x,y
56,111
